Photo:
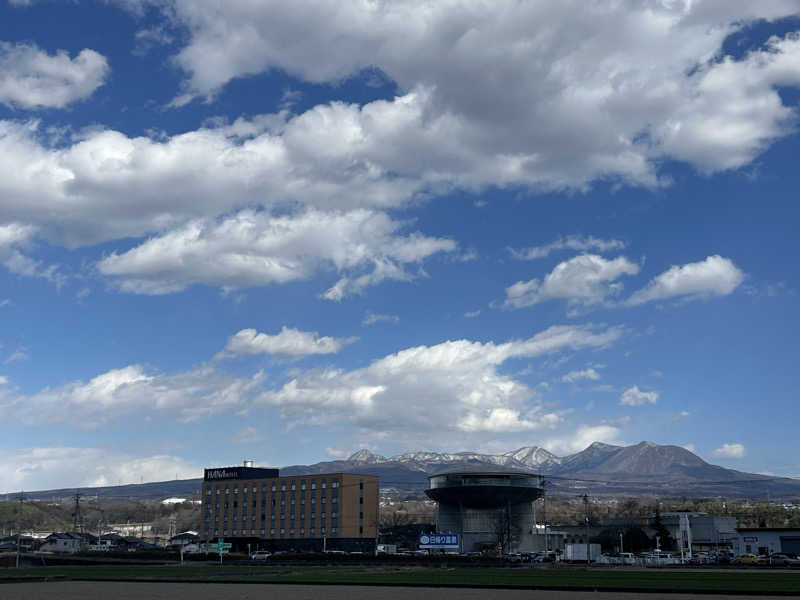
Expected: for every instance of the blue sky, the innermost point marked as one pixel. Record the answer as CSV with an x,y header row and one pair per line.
x,y
285,232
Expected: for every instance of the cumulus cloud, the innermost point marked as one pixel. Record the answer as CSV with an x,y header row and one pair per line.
x,y
565,94
714,276
254,248
289,342
16,240
574,376
450,387
70,467
31,78
586,279
583,438
572,242
730,451
565,97
192,394
633,396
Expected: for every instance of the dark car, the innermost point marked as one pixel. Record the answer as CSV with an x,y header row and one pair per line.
x,y
783,559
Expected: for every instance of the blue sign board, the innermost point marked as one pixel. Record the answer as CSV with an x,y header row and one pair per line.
x,y
438,540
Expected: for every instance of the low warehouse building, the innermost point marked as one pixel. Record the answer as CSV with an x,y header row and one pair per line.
x,y
767,540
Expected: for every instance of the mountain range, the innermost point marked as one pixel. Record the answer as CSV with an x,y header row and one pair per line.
x,y
601,469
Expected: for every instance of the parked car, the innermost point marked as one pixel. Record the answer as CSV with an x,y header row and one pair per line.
x,y
513,558
782,559
747,559
260,555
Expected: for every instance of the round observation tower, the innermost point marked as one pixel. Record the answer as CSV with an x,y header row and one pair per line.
x,y
490,509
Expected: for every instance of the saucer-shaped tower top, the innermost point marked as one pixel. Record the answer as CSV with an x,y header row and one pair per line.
x,y
491,489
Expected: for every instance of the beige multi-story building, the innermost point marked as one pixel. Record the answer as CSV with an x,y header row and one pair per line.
x,y
254,505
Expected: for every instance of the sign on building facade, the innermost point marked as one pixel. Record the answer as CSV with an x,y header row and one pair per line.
x,y
439,540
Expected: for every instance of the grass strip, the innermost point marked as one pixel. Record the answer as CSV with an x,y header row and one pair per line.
x,y
667,581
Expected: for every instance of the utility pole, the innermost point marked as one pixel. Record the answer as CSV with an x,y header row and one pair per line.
x,y
19,523
586,524
77,525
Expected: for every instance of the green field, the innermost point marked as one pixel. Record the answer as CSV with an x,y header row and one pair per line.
x,y
677,581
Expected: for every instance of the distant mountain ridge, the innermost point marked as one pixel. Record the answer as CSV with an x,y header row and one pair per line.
x,y
601,469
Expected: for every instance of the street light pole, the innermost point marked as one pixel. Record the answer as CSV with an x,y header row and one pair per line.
x,y
19,523
586,525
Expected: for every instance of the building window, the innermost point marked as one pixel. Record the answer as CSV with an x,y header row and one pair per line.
x,y
323,484
294,487
283,531
322,530
324,499
262,531
292,501
361,531
313,500
313,485
302,486
208,492
335,499
272,532
283,487
273,487
333,530
335,484
361,485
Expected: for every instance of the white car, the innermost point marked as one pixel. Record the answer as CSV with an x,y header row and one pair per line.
x,y
260,555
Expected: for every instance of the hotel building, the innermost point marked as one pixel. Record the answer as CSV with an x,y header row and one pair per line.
x,y
249,505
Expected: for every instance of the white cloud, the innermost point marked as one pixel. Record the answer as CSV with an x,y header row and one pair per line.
x,y
574,376
472,314
248,435
583,438
730,451
565,96
289,342
71,467
31,78
690,447
572,242
633,396
372,319
553,95
3,380
16,237
586,279
714,276
448,388
253,248
684,414
18,355
192,394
